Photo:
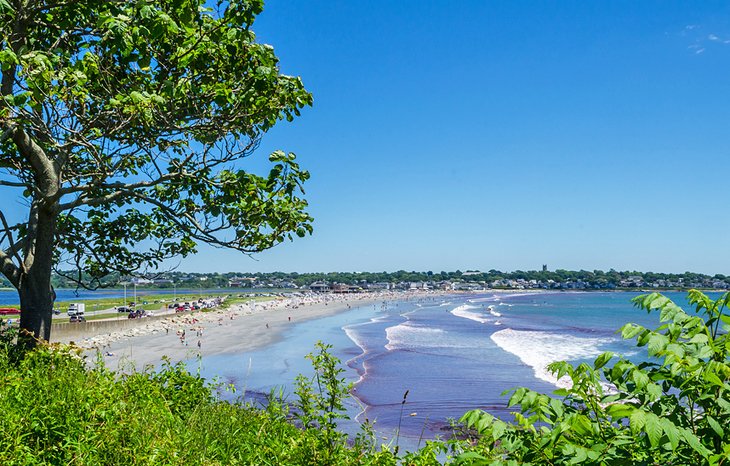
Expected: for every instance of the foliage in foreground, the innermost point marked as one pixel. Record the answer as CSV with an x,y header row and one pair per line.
x,y
671,410
55,410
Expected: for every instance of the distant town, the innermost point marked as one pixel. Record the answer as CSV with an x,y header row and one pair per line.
x,y
469,280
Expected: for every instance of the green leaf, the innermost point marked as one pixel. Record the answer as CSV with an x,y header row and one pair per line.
x,y
619,410
694,442
654,391
657,342
581,454
581,424
602,360
715,426
705,352
637,420
712,378
498,429
630,331
671,431
653,429
136,97
724,404
557,407
640,378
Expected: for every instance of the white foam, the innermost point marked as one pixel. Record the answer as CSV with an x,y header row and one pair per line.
x,y
482,300
355,338
538,349
464,312
352,334
406,335
493,312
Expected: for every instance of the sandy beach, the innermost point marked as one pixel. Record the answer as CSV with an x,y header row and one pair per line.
x,y
239,328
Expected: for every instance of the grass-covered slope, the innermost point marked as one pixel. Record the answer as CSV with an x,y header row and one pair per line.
x,y
55,410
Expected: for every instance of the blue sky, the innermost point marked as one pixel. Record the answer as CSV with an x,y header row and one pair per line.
x,y
506,135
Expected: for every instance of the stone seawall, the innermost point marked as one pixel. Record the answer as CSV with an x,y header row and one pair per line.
x,y
77,331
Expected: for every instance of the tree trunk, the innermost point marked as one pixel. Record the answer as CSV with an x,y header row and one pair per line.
x,y
36,294
36,304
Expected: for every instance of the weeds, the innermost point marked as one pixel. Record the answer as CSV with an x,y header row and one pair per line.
x,y
55,410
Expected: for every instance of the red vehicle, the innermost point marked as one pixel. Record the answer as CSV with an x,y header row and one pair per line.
x,y
4,311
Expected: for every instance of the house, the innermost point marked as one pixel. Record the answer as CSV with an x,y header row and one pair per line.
x,y
343,288
380,286
320,287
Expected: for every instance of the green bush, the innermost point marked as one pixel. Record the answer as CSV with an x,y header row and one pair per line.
x,y
55,410
671,409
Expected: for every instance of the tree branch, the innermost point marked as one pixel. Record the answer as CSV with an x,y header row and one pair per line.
x,y
13,247
10,270
35,155
14,184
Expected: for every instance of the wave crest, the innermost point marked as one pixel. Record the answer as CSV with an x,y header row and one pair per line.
x,y
465,312
539,349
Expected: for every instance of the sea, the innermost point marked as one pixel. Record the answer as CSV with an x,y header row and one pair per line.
x,y
417,364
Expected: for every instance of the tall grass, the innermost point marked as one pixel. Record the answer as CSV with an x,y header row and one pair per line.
x,y
56,410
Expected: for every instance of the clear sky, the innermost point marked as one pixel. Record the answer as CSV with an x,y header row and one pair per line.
x,y
477,135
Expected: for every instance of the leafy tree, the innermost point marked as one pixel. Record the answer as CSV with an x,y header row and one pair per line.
x,y
671,409
121,125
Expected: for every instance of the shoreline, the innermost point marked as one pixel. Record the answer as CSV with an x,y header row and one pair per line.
x,y
240,328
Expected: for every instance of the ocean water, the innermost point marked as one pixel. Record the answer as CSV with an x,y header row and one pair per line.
x,y
450,353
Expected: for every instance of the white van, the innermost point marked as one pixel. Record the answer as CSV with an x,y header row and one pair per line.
x,y
76,309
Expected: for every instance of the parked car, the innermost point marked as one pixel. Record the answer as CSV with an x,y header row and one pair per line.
x,y
4,311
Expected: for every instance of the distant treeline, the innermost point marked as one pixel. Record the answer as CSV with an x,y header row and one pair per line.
x,y
595,278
